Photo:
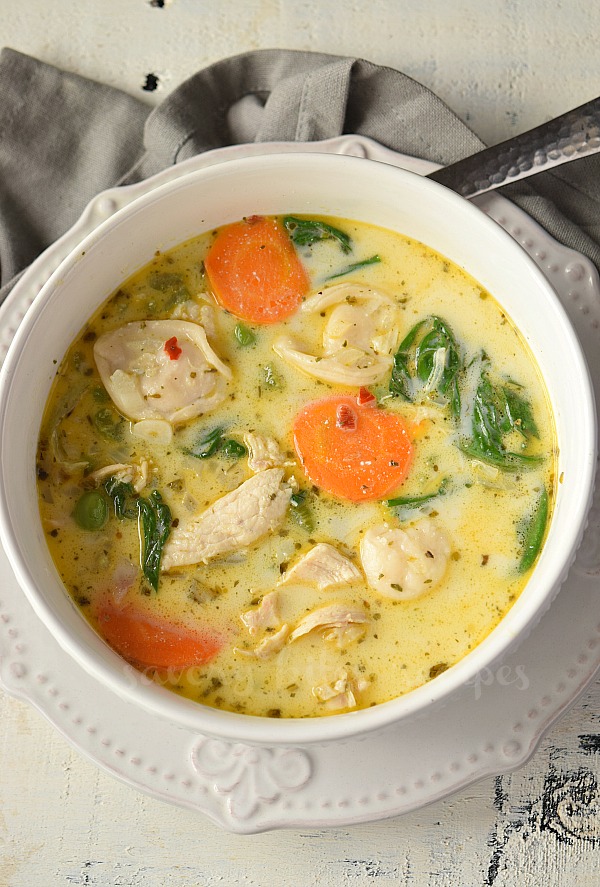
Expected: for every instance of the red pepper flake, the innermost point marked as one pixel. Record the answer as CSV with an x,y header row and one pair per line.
x,y
253,220
172,348
365,398
346,418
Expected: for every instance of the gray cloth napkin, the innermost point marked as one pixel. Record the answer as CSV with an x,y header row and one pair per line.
x,y
64,138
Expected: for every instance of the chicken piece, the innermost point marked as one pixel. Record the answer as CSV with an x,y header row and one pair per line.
x,y
122,580
360,335
241,517
270,645
263,452
338,622
404,564
161,369
340,693
136,475
266,615
336,695
324,567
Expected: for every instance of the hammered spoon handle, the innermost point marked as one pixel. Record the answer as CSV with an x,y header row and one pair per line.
x,y
565,138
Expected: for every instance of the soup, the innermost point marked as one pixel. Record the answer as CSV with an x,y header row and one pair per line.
x,y
296,466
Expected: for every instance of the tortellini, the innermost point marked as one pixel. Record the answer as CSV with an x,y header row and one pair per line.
x,y
359,337
405,563
162,370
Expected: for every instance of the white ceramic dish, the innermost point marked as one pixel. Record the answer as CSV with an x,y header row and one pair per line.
x,y
169,215
494,723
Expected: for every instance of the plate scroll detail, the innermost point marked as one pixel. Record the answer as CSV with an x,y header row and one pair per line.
x,y
248,776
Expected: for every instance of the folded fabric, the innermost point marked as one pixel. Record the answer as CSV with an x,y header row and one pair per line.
x,y
64,138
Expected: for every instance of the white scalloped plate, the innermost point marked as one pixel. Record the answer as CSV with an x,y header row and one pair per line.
x,y
494,723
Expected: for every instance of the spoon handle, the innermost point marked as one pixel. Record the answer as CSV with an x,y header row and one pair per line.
x,y
565,138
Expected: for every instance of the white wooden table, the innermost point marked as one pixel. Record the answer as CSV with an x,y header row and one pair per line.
x,y
503,66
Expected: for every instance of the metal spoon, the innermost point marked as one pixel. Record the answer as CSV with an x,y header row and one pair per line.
x,y
565,138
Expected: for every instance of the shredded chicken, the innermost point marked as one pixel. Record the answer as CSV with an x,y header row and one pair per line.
x,y
360,335
263,452
324,567
403,564
122,579
64,470
341,692
136,475
269,645
234,521
147,381
338,621
262,618
266,615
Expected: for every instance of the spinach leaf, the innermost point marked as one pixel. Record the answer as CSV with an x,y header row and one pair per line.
x,y
400,382
534,532
214,442
372,260
497,411
517,414
100,394
232,449
163,281
171,285
108,424
154,520
417,501
207,445
155,527
486,427
428,360
505,461
123,498
305,232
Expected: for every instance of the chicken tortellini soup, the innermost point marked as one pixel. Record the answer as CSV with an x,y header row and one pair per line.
x,y
296,466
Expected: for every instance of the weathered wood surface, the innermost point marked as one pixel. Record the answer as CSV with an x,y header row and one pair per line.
x,y
63,821
504,67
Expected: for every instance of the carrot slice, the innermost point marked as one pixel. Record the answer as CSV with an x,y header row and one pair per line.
x,y
352,451
254,271
153,642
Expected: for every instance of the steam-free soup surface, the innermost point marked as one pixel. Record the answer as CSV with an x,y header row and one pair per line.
x,y
295,467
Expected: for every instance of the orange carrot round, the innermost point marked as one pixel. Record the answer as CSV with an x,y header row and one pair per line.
x,y
152,642
254,271
352,451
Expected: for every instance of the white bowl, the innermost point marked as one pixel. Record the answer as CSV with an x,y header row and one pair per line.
x,y
276,184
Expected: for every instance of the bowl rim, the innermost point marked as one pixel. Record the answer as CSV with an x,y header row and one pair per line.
x,y
126,681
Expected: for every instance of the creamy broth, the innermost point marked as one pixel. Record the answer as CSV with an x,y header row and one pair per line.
x,y
480,522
